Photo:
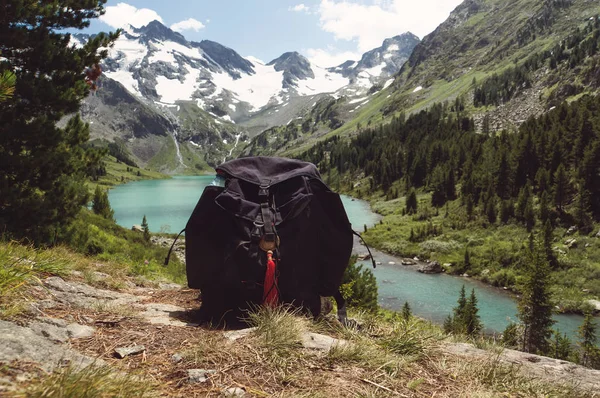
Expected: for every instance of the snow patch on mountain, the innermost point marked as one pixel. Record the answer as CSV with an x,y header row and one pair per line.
x,y
171,90
256,89
323,82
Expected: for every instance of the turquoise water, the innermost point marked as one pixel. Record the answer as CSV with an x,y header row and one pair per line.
x,y
168,204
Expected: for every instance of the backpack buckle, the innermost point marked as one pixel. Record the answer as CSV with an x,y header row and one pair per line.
x,y
269,241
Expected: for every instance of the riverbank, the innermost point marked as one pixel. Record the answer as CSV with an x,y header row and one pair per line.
x,y
118,173
494,251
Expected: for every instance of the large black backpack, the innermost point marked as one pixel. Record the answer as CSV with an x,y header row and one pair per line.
x,y
267,204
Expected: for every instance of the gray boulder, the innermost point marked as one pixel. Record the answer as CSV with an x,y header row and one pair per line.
x,y
431,268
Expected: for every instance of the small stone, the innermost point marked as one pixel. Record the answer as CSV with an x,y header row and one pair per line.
x,y
571,243
196,376
571,230
77,274
77,331
416,258
378,263
234,392
100,275
234,335
320,342
392,263
176,358
122,352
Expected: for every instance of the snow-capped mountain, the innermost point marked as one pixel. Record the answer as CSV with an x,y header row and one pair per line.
x,y
184,80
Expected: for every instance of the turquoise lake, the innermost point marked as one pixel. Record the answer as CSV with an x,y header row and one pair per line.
x,y
168,204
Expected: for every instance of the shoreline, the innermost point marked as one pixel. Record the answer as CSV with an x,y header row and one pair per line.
x,y
514,294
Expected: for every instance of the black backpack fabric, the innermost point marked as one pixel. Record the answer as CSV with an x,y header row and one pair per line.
x,y
267,203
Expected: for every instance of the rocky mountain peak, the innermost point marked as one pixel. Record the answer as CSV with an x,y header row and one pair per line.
x,y
158,32
225,57
294,67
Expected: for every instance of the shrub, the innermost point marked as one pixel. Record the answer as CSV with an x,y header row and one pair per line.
x,y
359,287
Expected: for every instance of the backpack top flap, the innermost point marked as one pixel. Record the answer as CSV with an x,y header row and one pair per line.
x,y
240,199
270,170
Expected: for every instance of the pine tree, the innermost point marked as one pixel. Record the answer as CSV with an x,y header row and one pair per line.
x,y
544,208
406,311
587,340
507,210
510,336
490,210
101,205
561,346
548,238
535,306
411,202
467,260
146,229
561,187
472,322
44,166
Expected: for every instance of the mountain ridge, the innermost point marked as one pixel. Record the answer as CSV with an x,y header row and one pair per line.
x,y
208,94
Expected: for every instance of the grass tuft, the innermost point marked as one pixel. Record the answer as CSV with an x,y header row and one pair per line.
x,y
90,382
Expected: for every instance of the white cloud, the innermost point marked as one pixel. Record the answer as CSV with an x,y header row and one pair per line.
x,y
329,57
299,8
123,15
369,23
188,24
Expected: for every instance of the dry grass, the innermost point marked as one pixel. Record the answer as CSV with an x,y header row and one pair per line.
x,y
90,382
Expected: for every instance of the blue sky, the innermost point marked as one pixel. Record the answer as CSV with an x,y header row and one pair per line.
x,y
328,32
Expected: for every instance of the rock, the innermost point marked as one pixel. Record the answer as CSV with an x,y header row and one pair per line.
x,y
363,257
235,392
234,335
77,274
571,230
176,358
571,243
164,314
122,352
466,275
77,331
546,369
101,276
196,376
18,343
416,258
559,250
432,268
392,263
587,245
447,265
595,304
50,330
320,342
598,234
169,286
378,263
408,261
137,228
82,295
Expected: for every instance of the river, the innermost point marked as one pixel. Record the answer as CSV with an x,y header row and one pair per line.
x,y
168,204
